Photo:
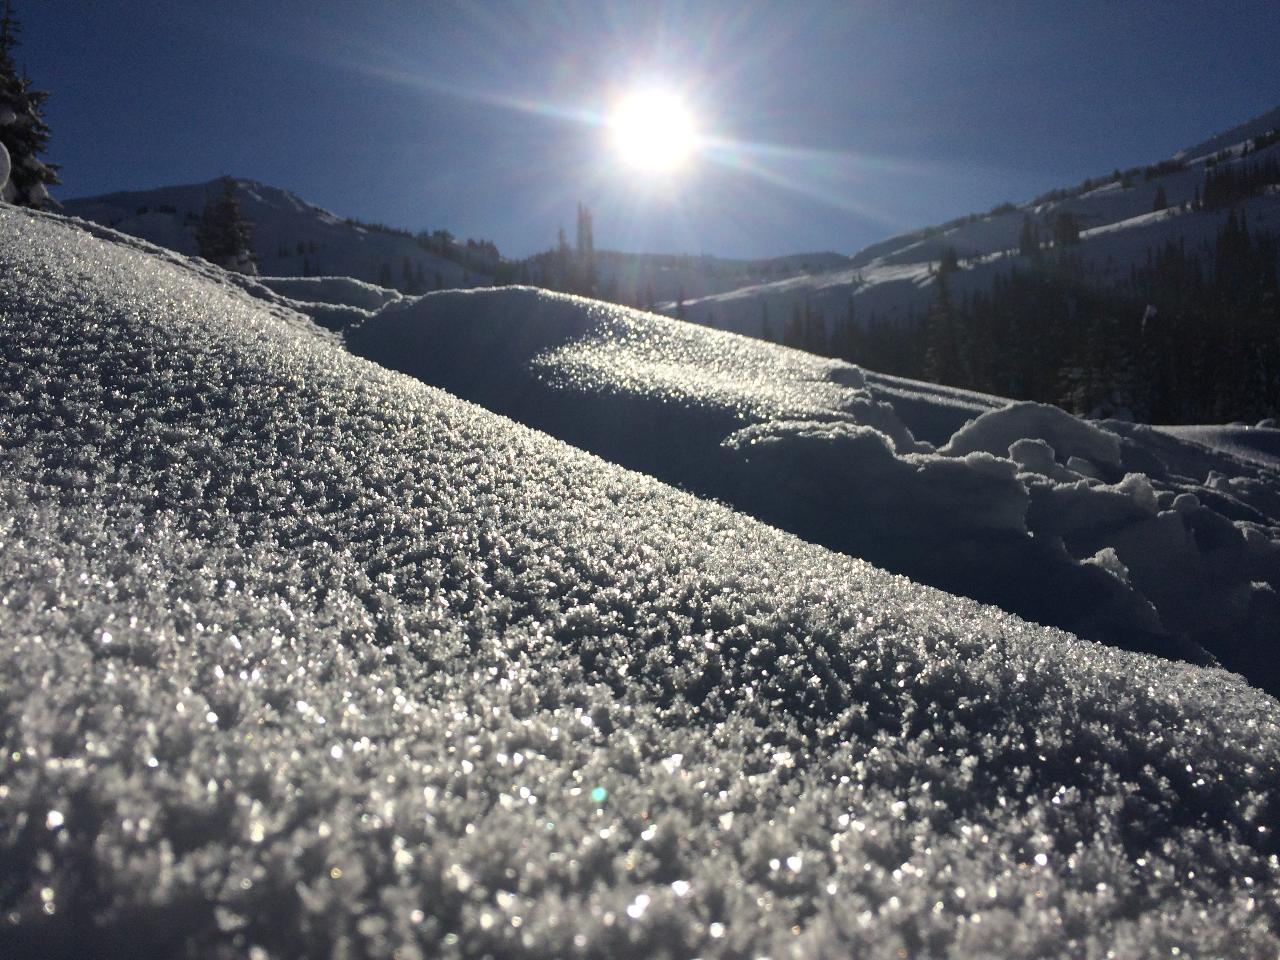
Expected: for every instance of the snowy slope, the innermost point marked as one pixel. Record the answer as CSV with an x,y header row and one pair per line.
x,y
302,657
1119,534
892,280
291,236
643,279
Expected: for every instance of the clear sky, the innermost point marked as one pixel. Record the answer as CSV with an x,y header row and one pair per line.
x,y
827,126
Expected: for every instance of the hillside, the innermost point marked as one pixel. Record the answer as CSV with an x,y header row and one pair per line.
x,y
645,279
292,237
303,657
893,280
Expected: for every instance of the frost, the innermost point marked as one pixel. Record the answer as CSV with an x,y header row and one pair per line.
x,y
446,590
1018,508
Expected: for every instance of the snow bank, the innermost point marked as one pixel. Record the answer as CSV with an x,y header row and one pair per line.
x,y
1025,506
301,657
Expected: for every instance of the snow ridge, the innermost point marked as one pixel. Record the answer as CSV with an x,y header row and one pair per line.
x,y
1059,520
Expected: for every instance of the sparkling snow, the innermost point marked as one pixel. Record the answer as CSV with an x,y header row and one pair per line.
x,y
490,627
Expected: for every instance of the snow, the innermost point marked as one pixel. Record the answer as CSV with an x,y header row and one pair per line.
x,y
1012,508
291,236
892,280
1067,436
339,291
303,657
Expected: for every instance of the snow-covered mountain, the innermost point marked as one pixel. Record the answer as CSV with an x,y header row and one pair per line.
x,y
894,279
291,236
304,657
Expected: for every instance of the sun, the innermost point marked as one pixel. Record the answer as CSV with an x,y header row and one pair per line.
x,y
653,131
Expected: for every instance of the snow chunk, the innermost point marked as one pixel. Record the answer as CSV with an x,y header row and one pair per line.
x,y
1068,436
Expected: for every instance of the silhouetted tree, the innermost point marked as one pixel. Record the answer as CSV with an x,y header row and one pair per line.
x,y
23,132
224,236
1029,238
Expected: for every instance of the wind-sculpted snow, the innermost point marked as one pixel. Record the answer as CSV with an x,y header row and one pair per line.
x,y
1061,521
303,658
340,291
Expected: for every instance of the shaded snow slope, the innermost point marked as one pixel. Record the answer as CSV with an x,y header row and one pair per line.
x,y
1059,520
290,235
892,281
300,657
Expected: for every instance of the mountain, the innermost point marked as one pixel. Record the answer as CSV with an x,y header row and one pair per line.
x,y
894,280
303,656
291,236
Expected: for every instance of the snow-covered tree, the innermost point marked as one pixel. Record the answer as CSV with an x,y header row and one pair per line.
x,y
224,236
23,131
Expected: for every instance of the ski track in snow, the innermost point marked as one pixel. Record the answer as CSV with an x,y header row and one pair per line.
x,y
302,657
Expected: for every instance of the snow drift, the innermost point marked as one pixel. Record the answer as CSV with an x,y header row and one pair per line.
x,y
1116,533
302,657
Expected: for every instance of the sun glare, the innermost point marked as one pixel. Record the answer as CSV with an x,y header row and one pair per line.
x,y
653,131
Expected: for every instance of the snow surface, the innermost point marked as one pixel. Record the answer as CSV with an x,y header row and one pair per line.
x,y
340,291
1060,520
302,657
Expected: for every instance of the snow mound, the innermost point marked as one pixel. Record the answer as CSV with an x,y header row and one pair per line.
x,y
1067,436
302,657
1019,507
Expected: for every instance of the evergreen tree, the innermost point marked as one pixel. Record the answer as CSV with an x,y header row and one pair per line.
x,y
224,236
766,326
942,341
793,332
23,132
845,339
1029,238
1161,201
1066,229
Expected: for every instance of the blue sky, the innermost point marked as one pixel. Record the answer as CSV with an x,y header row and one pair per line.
x,y
837,124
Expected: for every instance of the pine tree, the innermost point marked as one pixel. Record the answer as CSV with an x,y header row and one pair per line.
x,y
793,332
942,362
1161,201
224,236
1029,238
23,132
1066,229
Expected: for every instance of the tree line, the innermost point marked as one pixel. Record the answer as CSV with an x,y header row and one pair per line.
x,y
1190,336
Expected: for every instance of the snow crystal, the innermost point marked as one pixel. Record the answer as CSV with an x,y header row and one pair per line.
x,y
1016,508
446,589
